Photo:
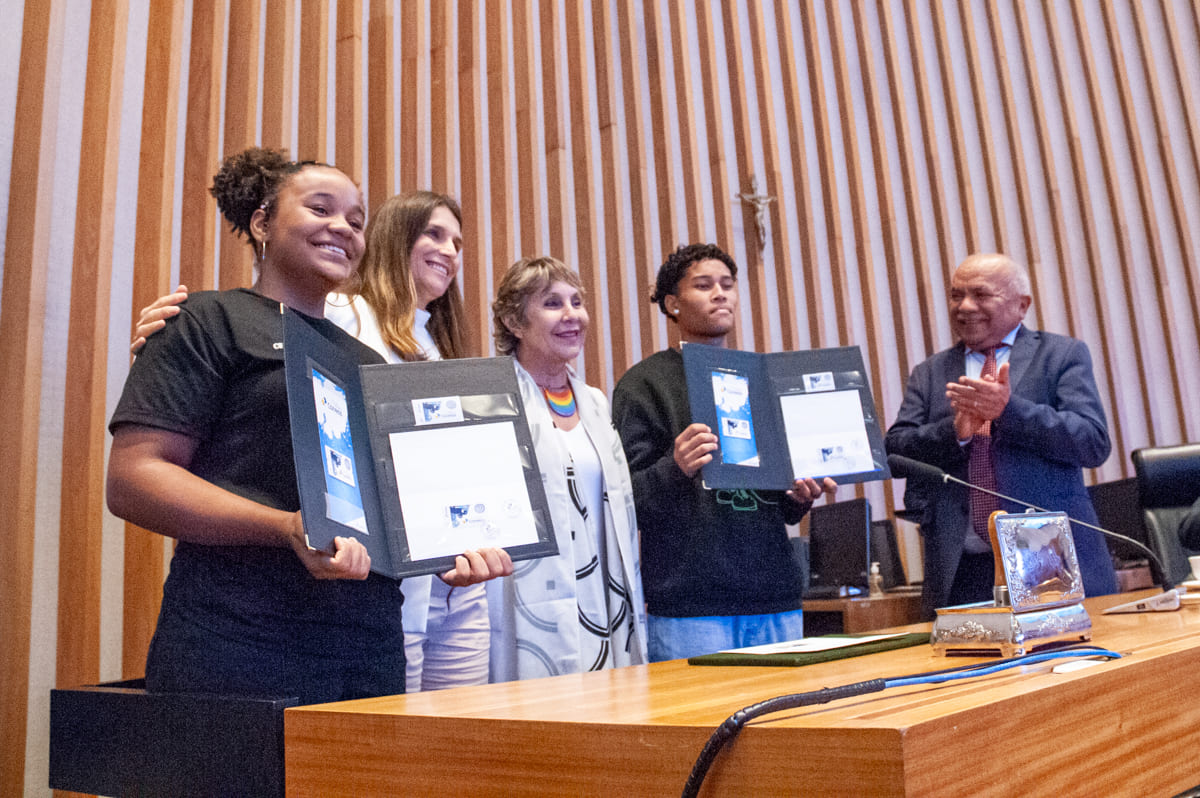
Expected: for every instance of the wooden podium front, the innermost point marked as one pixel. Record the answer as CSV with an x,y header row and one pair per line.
x,y
1126,727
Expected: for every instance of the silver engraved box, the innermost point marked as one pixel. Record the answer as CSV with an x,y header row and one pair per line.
x,y
1040,603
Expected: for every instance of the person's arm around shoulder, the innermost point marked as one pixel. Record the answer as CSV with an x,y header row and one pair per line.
x,y
149,485
154,317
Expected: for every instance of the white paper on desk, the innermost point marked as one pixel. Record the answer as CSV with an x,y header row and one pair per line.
x,y
461,488
810,645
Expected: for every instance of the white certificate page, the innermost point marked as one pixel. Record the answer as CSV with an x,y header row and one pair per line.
x,y
826,433
461,488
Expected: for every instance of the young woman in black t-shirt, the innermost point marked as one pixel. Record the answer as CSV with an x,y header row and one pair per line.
x,y
202,453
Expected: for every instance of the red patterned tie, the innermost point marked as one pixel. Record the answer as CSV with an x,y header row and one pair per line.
x,y
979,469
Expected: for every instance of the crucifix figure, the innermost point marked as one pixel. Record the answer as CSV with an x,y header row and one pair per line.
x,y
760,203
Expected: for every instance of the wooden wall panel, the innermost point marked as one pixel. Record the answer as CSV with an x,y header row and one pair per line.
x,y
1122,309
715,113
658,76
938,195
143,560
279,48
860,212
791,82
1173,397
414,96
502,198
616,224
474,198
919,250
689,153
588,202
197,236
1188,99
891,369
895,138
999,239
1190,170
779,209
381,105
955,119
348,89
1079,188
312,101
1046,166
646,257
558,155
721,186
1026,226
22,314
827,159
530,141
80,533
241,121
443,100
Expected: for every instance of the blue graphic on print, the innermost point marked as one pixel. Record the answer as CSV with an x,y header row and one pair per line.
x,y
735,426
343,502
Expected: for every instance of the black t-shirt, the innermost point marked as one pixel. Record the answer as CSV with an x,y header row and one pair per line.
x,y
216,374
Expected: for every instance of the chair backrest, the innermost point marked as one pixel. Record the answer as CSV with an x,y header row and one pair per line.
x,y
1119,511
839,544
1168,480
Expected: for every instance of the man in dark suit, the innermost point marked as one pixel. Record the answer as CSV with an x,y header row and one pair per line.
x,y
1039,414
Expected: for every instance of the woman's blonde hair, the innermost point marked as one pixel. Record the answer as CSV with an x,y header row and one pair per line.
x,y
384,279
525,279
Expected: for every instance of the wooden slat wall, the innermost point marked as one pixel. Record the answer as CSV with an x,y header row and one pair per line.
x,y
84,418
22,313
278,70
892,137
381,87
143,557
240,120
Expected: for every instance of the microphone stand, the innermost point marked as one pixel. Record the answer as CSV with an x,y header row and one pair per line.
x,y
1164,580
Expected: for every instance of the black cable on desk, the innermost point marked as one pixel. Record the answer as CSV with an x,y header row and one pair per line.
x,y
734,723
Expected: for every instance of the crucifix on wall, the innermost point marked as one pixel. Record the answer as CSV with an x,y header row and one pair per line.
x,y
760,203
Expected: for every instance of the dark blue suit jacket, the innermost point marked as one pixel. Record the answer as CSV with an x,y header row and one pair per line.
x,y
1052,428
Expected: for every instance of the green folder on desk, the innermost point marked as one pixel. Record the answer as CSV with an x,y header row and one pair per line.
x,y
872,644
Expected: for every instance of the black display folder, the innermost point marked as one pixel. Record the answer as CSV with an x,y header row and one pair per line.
x,y
419,461
781,416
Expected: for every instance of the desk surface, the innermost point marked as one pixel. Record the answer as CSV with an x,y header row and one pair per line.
x,y
1130,726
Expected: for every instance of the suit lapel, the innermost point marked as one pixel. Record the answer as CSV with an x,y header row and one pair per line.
x,y
1023,349
956,365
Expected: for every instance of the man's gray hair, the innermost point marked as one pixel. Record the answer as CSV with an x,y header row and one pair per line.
x,y
1018,275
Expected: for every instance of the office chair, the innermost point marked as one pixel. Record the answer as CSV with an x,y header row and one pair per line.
x,y
1168,480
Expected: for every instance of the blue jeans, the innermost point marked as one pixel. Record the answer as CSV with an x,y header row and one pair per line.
x,y
680,638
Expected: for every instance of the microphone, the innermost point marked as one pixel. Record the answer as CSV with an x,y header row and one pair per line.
x,y
907,467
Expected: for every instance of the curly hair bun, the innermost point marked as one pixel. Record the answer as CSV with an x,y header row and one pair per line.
x,y
249,180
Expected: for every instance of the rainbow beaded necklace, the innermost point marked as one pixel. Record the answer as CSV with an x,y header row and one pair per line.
x,y
562,402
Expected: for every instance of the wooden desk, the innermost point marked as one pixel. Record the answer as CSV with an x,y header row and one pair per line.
x,y
862,613
1128,727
